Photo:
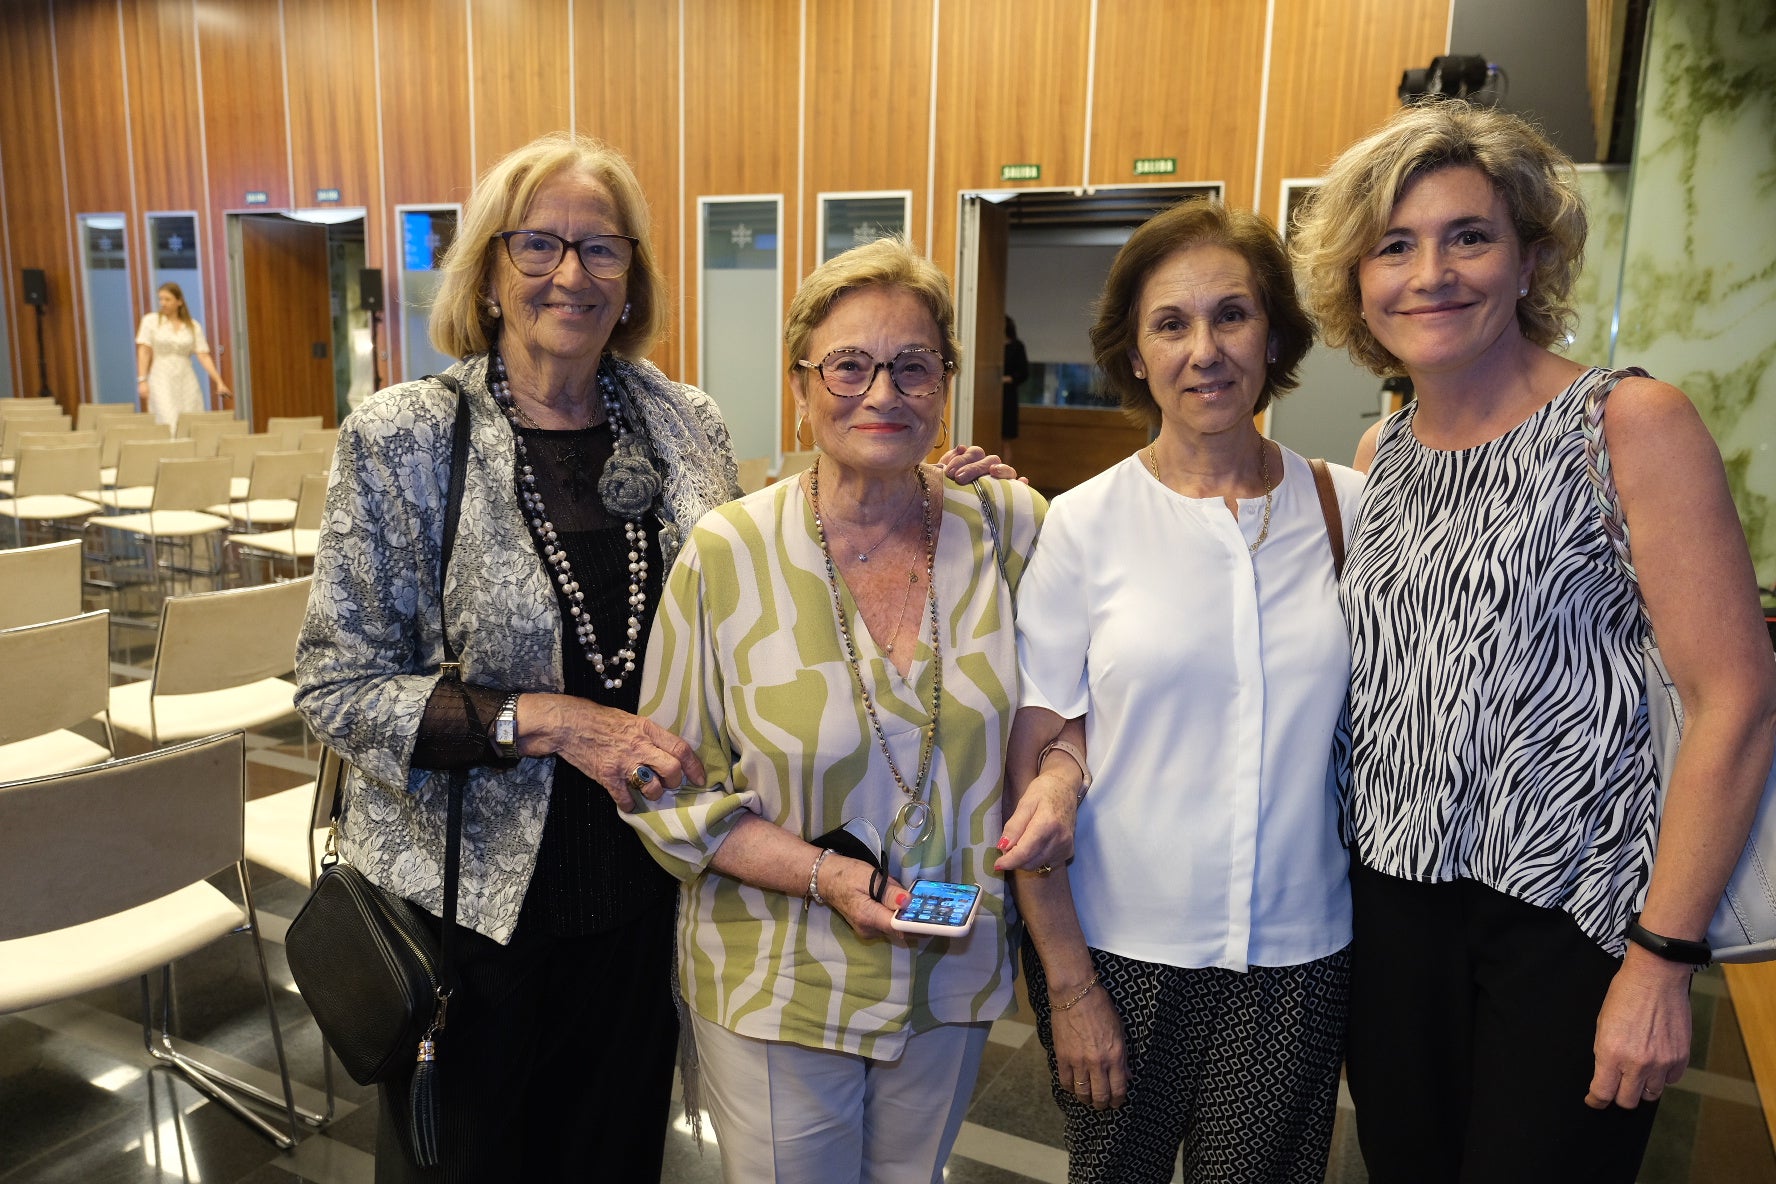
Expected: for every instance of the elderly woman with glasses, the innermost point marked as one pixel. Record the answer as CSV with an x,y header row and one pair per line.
x,y
839,652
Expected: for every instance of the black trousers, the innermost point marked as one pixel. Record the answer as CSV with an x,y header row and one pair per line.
x,y
556,1061
1470,1050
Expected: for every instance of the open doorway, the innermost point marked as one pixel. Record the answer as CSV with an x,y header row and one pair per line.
x,y
1039,258
302,334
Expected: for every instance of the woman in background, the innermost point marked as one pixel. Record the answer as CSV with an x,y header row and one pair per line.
x,y
166,341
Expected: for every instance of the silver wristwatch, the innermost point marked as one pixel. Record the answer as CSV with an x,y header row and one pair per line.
x,y
505,729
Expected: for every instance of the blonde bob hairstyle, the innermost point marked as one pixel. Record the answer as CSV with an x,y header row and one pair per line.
x,y
1116,321
887,262
1347,215
461,324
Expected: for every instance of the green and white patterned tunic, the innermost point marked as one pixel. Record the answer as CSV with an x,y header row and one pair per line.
x,y
746,663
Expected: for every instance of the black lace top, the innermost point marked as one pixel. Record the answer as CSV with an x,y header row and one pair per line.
x,y
592,873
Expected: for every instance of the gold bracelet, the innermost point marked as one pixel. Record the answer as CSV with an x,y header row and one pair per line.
x,y
1083,992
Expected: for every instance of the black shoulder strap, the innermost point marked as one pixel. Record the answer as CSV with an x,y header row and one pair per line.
x,y
449,668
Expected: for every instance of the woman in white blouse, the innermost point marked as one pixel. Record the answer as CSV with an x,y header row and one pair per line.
x,y
1189,966
166,341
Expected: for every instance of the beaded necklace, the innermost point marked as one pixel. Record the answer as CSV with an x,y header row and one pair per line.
x,y
915,814
543,530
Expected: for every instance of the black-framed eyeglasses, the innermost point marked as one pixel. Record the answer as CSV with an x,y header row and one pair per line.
x,y
537,253
915,373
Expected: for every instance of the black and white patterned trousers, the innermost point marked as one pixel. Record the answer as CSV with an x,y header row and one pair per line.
x,y
1239,1071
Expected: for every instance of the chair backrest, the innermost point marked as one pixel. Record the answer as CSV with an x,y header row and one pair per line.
x,y
211,641
192,483
188,420
243,449
320,440
115,430
15,408
39,584
78,846
55,439
91,415
311,502
208,432
138,460
755,471
280,474
291,427
58,674
795,462
56,470
12,431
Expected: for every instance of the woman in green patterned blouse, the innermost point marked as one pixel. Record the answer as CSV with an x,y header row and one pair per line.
x,y
839,649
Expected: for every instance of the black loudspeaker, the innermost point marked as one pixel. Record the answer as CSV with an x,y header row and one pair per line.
x,y
370,289
36,287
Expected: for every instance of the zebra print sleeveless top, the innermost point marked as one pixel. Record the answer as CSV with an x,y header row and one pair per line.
x,y
1497,703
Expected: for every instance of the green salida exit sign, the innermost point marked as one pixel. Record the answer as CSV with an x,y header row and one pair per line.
x,y
1155,166
1020,172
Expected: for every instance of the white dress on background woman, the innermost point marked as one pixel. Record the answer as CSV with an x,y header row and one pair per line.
x,y
172,381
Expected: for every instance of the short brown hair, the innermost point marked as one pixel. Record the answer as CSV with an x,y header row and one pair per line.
x,y
461,324
1115,327
1347,215
886,262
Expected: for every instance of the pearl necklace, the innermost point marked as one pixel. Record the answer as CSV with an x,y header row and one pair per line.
x,y
543,530
914,815
1263,479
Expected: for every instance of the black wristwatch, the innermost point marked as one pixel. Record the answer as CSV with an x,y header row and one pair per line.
x,y
505,729
1672,949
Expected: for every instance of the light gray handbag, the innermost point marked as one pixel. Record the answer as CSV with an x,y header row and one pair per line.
x,y
1744,926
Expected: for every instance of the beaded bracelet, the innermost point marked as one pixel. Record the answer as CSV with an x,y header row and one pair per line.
x,y
813,896
1083,992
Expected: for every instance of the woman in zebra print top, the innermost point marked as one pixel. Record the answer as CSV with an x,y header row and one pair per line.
x,y
1500,797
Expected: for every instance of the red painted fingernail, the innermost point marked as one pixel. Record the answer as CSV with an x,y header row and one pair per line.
x,y
1004,843
900,899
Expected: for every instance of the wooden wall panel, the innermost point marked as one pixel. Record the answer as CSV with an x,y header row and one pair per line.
x,y
1205,115
423,75
240,56
166,132
36,209
95,138
1334,69
522,68
631,103
881,54
330,51
1011,90
742,59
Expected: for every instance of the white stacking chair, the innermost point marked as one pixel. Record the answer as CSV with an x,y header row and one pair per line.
x,y
291,427
755,473
114,432
270,496
39,584
242,450
105,873
13,431
50,439
188,420
182,488
295,542
91,415
57,676
320,440
210,433
287,830
218,664
131,487
46,487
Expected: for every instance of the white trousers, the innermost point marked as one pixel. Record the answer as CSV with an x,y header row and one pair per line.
x,y
800,1115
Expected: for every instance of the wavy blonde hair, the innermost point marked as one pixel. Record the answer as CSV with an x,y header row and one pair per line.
x,y
1347,215
460,323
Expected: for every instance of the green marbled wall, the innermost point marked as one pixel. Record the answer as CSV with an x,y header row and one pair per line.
x,y
1699,285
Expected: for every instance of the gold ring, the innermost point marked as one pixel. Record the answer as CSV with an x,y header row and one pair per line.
x,y
639,778
1045,869
1077,1084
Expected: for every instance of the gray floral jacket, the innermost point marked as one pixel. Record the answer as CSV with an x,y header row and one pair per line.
x,y
368,656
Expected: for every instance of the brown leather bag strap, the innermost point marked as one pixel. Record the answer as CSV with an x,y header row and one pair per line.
x,y
1329,508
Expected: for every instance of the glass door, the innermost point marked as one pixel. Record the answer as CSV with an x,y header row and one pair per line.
x,y
109,312
426,233
173,253
740,317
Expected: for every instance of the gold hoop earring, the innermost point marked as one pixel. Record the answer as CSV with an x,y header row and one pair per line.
x,y
798,434
943,439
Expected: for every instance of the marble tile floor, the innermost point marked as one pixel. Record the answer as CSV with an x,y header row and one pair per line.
x,y
78,1105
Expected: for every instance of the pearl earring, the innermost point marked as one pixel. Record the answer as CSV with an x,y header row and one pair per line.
x,y
624,319
1522,292
493,308
1142,374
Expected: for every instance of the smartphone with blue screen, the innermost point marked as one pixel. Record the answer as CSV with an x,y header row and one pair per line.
x,y
938,908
